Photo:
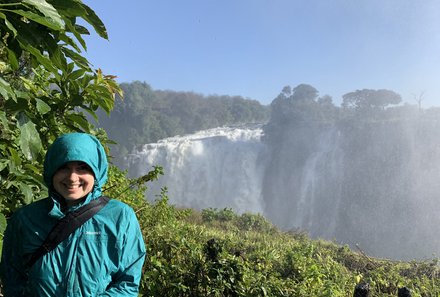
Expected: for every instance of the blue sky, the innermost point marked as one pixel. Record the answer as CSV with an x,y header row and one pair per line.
x,y
253,48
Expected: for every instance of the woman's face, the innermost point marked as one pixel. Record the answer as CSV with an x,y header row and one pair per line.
x,y
73,181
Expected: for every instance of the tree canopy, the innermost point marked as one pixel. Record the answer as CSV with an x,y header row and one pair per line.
x,y
367,99
46,85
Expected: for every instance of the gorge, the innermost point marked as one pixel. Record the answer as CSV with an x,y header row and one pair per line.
x,y
370,184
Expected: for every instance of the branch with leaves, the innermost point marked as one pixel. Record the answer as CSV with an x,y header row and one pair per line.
x,y
46,87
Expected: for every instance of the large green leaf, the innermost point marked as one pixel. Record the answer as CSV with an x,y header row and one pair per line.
x,y
26,190
6,90
48,22
30,142
42,106
48,11
69,8
80,120
95,21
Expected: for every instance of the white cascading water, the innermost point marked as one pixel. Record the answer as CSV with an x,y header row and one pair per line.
x,y
218,168
323,166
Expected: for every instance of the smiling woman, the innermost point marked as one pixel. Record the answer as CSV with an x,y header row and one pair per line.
x,y
74,180
101,257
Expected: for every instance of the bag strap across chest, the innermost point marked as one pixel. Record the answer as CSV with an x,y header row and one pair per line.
x,y
67,226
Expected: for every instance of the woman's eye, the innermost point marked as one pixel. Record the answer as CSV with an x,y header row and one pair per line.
x,y
64,167
84,168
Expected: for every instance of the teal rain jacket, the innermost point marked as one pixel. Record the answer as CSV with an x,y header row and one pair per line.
x,y
104,257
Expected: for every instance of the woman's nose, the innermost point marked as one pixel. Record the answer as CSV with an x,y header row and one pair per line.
x,y
73,175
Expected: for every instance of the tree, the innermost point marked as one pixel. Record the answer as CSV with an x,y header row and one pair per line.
x,y
370,99
419,99
294,105
46,85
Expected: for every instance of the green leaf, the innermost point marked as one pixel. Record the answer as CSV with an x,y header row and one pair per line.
x,y
73,28
2,223
30,142
48,11
95,21
34,169
6,90
91,112
12,59
8,24
42,106
69,8
43,60
70,41
58,59
15,161
82,30
24,95
3,164
48,22
76,74
26,190
80,120
77,58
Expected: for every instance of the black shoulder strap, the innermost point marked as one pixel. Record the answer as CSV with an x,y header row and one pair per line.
x,y
67,226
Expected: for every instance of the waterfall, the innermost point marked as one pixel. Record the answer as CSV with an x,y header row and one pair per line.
x,y
218,168
375,185
321,172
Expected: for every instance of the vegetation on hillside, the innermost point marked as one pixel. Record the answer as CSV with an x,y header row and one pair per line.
x,y
146,115
217,252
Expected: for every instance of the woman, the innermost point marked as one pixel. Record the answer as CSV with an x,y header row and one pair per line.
x,y
103,257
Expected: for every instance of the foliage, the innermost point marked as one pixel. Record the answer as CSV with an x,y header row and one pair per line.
x,y
130,191
215,258
297,107
46,85
368,99
244,222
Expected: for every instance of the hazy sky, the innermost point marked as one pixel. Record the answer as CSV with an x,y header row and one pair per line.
x,y
253,48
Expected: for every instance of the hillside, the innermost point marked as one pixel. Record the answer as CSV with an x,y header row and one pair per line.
x,y
216,252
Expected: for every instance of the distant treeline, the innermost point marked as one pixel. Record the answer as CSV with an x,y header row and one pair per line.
x,y
302,106
146,115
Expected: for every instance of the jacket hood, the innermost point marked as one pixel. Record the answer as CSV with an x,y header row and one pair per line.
x,y
77,147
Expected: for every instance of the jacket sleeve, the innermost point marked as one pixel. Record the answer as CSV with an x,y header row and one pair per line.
x,y
126,281
12,266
